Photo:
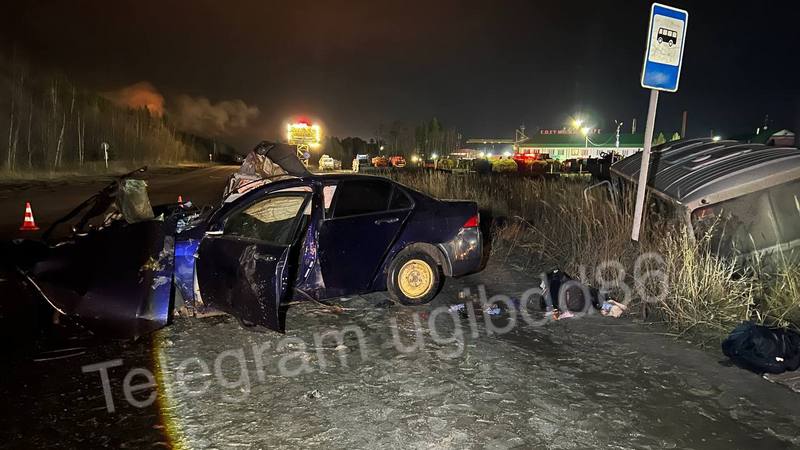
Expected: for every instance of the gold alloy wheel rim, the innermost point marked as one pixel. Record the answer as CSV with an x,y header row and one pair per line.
x,y
415,278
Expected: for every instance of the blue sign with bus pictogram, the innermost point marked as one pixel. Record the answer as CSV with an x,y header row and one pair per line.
x,y
666,38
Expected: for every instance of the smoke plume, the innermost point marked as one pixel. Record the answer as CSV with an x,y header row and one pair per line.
x,y
200,116
197,115
139,95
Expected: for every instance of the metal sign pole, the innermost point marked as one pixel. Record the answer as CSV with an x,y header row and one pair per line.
x,y
641,188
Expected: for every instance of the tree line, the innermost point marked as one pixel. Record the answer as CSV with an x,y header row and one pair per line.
x,y
52,125
399,138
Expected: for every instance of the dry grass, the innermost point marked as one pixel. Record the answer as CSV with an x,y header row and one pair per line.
x,y
705,292
551,222
780,293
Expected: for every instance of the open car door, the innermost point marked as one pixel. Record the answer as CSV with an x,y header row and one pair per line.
x,y
245,262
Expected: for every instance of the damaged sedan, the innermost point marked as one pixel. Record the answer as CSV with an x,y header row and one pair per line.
x,y
280,234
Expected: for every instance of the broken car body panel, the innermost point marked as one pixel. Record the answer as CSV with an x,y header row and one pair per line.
x,y
117,281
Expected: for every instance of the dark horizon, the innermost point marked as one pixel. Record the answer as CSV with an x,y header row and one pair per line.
x,y
483,68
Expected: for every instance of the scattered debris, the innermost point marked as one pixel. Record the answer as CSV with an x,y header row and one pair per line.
x,y
788,379
612,308
565,315
457,307
763,349
313,395
493,310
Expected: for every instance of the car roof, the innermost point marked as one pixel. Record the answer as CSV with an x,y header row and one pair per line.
x,y
291,181
695,171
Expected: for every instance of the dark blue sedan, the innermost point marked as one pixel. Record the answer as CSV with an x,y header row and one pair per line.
x,y
281,234
325,236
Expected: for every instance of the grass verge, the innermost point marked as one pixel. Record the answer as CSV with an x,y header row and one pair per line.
x,y
557,224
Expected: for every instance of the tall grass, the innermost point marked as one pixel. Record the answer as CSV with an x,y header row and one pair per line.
x,y
705,292
555,224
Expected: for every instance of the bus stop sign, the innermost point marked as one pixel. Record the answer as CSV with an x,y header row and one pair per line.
x,y
665,42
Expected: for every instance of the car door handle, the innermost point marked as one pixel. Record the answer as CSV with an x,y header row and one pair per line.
x,y
389,220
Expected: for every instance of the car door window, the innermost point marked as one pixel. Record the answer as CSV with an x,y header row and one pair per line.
x,y
400,199
272,220
361,197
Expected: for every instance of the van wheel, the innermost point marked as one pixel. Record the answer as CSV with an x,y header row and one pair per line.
x,y
414,278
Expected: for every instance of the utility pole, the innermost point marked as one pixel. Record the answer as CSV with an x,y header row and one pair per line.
x,y
683,124
519,136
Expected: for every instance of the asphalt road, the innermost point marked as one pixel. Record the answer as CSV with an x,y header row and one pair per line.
x,y
591,382
53,199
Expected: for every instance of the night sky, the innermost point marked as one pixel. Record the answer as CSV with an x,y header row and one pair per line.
x,y
484,67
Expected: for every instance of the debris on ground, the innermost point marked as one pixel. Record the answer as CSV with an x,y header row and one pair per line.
x,y
561,291
762,349
492,310
313,395
612,308
788,379
458,307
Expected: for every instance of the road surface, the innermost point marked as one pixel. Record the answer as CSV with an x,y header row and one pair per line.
x,y
51,200
395,380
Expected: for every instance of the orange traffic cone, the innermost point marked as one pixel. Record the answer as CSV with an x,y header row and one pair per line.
x,y
180,198
28,224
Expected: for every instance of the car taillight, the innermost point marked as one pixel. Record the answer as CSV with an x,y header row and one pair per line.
x,y
472,222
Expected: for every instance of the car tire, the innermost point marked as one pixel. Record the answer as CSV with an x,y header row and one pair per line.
x,y
414,278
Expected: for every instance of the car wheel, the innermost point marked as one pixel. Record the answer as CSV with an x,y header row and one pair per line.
x,y
414,278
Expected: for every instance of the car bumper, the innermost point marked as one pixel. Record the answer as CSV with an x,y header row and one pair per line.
x,y
463,253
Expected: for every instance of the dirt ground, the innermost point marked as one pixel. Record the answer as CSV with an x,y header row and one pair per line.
x,y
591,382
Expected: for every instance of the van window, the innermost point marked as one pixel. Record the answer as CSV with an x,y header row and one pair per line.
x,y
738,226
786,204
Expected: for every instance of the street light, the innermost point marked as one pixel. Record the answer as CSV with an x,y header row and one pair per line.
x,y
434,155
716,138
577,123
585,133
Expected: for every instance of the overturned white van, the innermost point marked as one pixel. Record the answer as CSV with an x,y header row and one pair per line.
x,y
746,195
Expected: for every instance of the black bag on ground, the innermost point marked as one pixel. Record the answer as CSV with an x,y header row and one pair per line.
x,y
762,349
574,294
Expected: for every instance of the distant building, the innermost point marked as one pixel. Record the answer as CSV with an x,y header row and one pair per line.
x,y
564,145
490,146
782,138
